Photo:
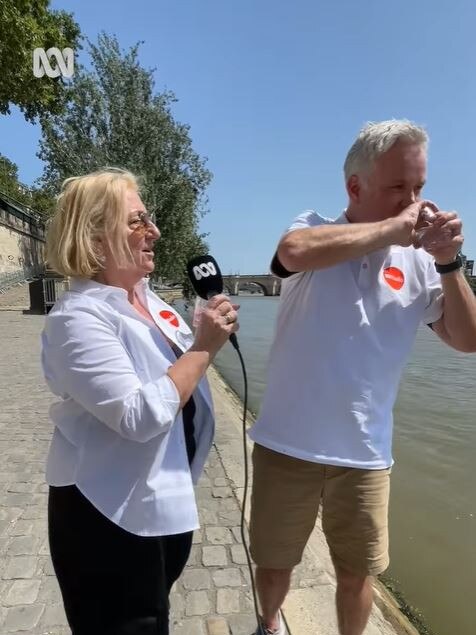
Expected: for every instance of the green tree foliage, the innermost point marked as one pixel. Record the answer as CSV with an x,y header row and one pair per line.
x,y
33,197
41,201
115,118
8,177
24,26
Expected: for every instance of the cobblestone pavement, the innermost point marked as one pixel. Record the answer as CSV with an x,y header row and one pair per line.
x,y
213,595
17,296
216,579
213,590
29,595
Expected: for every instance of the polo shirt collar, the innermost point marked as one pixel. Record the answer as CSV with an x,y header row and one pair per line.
x,y
342,219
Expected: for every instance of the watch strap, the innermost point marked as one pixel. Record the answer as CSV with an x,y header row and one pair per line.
x,y
451,266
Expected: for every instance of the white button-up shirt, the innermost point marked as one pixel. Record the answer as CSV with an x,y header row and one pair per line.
x,y
343,336
119,433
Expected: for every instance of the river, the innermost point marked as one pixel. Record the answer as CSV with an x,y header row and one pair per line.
x,y
433,497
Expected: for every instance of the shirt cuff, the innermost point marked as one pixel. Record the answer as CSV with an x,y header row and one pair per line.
x,y
168,395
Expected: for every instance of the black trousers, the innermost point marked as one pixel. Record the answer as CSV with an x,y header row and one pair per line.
x,y
112,582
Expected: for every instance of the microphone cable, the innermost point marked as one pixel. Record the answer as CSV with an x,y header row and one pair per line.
x,y
260,630
207,281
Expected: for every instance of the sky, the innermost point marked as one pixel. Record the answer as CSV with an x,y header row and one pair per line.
x,y
276,91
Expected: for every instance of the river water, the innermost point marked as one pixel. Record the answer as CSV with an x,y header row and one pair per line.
x,y
433,497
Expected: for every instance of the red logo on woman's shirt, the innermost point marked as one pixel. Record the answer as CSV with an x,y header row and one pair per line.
x,y
169,317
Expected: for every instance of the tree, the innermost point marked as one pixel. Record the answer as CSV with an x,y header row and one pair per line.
x,y
24,26
8,177
114,118
41,201
36,198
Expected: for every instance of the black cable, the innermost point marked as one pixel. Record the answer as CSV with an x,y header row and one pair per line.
x,y
260,630
245,495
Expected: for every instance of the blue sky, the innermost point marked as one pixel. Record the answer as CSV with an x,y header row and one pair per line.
x,y
276,91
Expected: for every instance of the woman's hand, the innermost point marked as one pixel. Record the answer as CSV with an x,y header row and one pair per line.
x,y
217,322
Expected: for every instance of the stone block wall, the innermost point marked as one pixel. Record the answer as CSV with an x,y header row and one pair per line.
x,y
21,244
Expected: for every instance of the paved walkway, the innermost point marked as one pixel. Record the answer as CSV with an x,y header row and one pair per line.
x,y
16,297
29,596
213,595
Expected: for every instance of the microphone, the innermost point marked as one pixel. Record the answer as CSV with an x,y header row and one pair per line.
x,y
207,281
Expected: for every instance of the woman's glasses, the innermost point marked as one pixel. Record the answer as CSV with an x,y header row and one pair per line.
x,y
142,221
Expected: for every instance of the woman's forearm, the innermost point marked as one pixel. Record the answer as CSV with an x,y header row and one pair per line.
x,y
188,371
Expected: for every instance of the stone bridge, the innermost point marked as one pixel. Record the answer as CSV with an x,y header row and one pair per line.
x,y
269,284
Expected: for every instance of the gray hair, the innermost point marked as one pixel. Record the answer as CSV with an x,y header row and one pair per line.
x,y
377,138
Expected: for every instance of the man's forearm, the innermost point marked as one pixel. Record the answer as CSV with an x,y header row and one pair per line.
x,y
328,245
459,317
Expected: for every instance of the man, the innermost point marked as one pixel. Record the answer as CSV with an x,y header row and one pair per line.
x,y
354,292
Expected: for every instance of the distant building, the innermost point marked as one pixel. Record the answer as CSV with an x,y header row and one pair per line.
x,y
468,265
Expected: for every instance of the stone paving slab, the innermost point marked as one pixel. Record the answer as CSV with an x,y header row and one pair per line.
x,y
16,296
29,594
212,595
310,606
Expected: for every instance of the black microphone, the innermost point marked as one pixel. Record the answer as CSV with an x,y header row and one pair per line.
x,y
207,281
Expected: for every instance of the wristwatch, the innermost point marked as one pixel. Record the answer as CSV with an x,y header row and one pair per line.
x,y
452,266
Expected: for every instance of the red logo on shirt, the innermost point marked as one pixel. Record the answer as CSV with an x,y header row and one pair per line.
x,y
169,317
394,277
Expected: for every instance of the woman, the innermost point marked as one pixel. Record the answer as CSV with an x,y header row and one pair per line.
x,y
134,424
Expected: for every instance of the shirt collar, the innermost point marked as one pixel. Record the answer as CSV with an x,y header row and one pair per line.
x,y
93,287
342,219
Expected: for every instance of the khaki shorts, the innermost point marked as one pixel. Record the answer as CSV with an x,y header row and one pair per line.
x,y
286,496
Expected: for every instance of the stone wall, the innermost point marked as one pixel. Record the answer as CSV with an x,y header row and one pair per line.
x,y
22,239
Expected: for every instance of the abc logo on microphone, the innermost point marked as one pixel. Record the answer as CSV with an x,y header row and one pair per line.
x,y
204,270
207,281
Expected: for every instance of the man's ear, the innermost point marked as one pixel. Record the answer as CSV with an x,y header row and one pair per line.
x,y
354,188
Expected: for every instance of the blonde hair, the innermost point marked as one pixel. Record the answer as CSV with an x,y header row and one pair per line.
x,y
90,209
377,138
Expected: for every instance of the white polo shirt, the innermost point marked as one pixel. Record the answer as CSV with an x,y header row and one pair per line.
x,y
119,433
342,337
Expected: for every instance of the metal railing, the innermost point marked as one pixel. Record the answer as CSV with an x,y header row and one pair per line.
x,y
8,280
44,292
21,218
53,288
20,276
20,210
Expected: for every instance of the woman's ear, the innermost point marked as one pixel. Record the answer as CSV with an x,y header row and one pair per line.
x,y
99,249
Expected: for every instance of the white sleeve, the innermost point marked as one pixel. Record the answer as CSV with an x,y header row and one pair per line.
x,y
434,307
306,219
84,359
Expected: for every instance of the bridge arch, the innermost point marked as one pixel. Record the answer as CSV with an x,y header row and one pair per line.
x,y
270,285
